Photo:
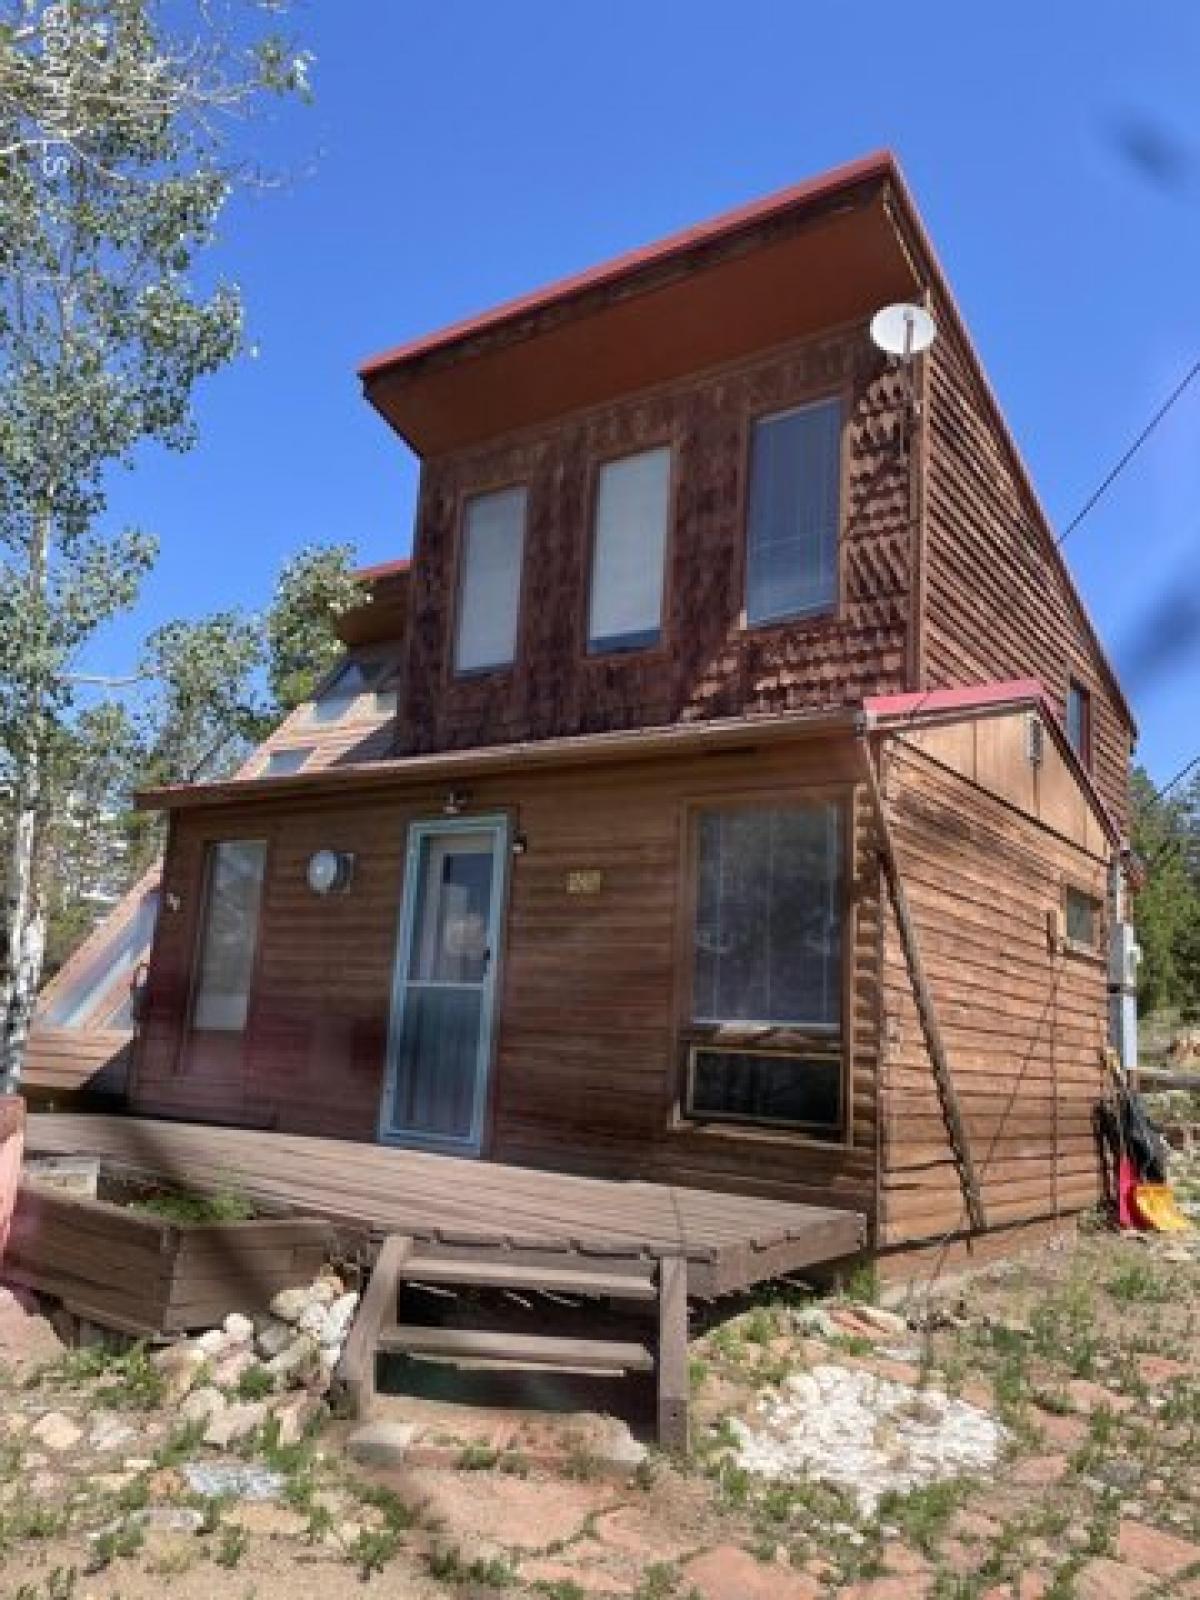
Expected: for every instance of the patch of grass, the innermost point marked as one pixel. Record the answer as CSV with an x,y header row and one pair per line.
x,y
560,1589
397,1514
924,1513
477,1457
60,1585
179,1445
256,1383
446,1564
863,1284
116,1544
1138,1281
659,1582
231,1546
758,1326
373,1549
182,1205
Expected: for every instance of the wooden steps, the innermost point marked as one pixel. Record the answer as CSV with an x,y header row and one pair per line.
x,y
517,1349
379,1329
554,1280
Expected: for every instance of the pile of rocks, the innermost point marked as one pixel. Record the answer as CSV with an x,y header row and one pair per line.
x,y
233,1379
866,1434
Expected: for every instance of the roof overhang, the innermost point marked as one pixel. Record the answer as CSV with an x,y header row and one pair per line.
x,y
812,258
449,766
383,614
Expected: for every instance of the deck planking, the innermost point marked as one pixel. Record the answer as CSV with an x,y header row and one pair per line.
x,y
730,1241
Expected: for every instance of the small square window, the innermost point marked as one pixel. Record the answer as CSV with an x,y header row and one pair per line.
x,y
283,763
350,681
1083,919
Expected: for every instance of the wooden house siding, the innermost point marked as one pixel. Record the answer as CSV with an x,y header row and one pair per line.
x,y
1024,1024
588,1057
708,663
996,605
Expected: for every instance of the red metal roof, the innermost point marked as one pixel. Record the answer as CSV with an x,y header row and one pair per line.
x,y
383,569
880,164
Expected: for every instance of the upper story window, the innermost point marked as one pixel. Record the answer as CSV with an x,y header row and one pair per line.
x,y
114,960
793,513
628,550
1079,721
489,586
355,678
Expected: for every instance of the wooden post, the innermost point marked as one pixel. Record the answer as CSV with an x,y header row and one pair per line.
x,y
960,1142
356,1369
673,1377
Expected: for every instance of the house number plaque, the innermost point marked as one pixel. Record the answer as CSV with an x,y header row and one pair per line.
x,y
585,880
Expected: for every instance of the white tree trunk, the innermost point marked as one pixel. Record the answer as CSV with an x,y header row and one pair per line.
x,y
22,937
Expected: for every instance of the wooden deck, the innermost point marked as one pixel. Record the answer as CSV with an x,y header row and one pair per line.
x,y
729,1241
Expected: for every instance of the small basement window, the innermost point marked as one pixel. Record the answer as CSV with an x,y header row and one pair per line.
x,y
1083,919
802,1092
282,763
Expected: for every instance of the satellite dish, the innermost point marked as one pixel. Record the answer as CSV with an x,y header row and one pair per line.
x,y
903,330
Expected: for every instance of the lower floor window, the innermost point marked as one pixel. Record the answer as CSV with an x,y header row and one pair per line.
x,y
767,960
794,1091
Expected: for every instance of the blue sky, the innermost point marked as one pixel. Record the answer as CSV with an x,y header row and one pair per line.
x,y
461,152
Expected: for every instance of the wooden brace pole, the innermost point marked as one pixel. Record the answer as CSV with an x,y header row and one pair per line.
x,y
960,1142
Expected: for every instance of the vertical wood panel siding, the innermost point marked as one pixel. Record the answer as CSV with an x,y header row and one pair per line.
x,y
1024,1027
996,606
708,665
587,1064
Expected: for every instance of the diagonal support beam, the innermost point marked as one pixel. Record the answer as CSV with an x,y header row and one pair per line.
x,y
960,1142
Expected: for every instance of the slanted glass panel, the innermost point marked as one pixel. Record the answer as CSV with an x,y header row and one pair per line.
x,y
1083,919
768,937
117,957
1079,721
793,513
746,1086
282,763
490,582
628,551
355,678
229,935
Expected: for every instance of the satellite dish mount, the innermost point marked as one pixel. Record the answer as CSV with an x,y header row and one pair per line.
x,y
904,331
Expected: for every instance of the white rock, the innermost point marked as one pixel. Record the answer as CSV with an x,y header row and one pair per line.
x,y
295,1416
295,1363
239,1329
273,1337
312,1320
212,1343
110,1433
227,1372
338,1320
56,1432
288,1304
327,1288
202,1405
235,1423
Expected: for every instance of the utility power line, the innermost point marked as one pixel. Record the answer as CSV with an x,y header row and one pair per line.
x,y
1102,488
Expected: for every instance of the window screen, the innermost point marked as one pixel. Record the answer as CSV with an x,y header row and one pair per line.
x,y
490,583
792,514
746,1086
229,935
629,546
768,936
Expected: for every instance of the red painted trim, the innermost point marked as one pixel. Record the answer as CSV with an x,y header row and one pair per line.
x,y
383,569
907,709
969,698
879,164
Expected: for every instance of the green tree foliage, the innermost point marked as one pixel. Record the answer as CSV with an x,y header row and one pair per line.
x,y
115,167
1166,833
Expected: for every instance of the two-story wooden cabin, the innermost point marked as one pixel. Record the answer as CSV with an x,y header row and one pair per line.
x,y
750,811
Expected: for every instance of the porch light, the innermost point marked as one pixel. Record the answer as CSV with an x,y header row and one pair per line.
x,y
456,802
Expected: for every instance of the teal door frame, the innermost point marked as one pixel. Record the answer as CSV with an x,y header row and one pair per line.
x,y
470,1142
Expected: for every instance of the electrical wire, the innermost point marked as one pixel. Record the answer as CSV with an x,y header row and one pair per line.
x,y
1102,489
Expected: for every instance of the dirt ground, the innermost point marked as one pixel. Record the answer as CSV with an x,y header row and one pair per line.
x,y
1085,1352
